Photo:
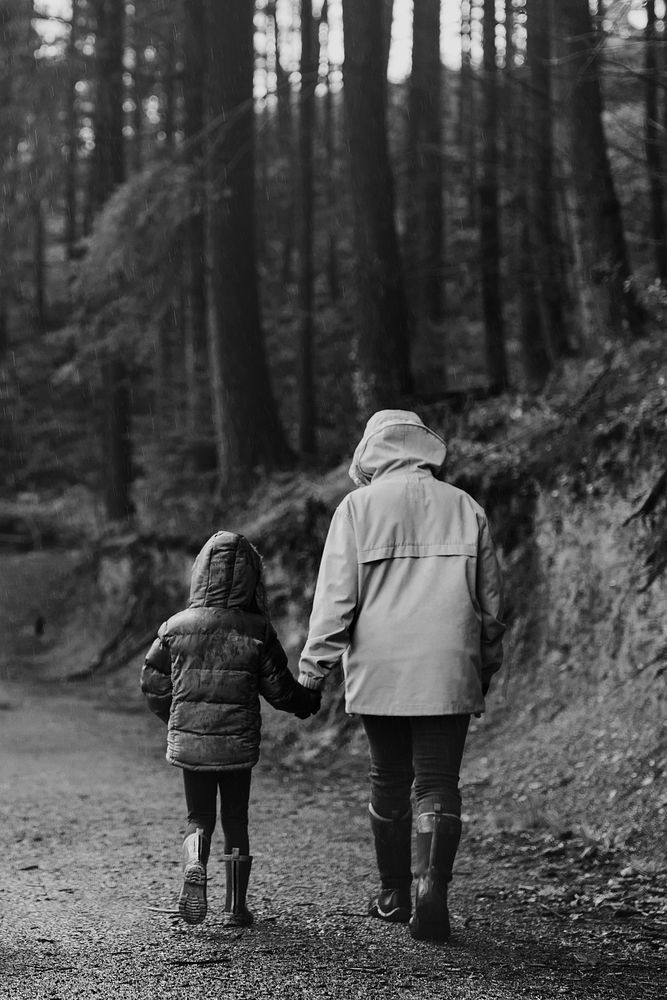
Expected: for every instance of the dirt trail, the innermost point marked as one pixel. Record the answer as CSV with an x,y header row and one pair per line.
x,y
92,818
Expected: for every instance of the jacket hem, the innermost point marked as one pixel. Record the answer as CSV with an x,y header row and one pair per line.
x,y
210,767
414,710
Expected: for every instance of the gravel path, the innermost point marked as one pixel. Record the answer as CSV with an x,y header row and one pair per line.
x,y
92,819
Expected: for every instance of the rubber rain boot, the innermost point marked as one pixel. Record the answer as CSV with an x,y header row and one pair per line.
x,y
192,901
237,868
392,850
438,836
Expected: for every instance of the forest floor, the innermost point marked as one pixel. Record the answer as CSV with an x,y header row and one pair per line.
x,y
93,818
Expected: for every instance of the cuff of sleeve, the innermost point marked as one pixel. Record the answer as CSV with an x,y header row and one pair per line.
x,y
312,683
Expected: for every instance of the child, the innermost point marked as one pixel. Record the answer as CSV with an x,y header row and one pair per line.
x,y
203,676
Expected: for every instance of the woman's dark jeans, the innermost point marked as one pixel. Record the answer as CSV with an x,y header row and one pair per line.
x,y
201,796
426,749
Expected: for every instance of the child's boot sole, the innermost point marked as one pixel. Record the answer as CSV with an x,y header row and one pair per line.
x,y
192,902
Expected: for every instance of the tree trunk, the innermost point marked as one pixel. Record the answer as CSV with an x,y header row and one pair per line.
x,y
71,166
467,111
108,158
169,87
309,64
383,322
425,158
537,362
496,361
139,86
198,412
653,151
107,172
15,52
4,327
118,457
287,141
248,430
5,284
610,304
541,218
330,145
39,300
509,90
5,252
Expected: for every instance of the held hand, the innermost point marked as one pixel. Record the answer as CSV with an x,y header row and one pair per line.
x,y
306,701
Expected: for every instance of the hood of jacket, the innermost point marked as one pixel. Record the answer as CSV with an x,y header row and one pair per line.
x,y
397,441
227,573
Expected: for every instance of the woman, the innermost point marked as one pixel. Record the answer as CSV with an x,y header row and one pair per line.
x,y
409,596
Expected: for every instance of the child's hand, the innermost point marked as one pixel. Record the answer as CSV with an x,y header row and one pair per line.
x,y
307,702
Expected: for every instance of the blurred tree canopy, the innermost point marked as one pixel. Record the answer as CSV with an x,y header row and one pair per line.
x,y
230,229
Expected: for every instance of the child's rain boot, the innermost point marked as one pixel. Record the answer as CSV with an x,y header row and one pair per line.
x,y
237,868
192,902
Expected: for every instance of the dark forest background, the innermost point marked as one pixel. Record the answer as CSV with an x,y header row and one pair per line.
x,y
221,248
230,230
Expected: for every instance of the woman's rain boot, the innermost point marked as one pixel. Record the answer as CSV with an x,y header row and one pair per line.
x,y
392,849
192,901
438,835
237,867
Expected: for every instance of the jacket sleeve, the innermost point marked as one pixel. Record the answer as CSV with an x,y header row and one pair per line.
x,y
156,677
334,603
490,597
276,681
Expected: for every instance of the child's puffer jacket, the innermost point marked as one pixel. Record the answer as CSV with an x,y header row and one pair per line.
x,y
209,664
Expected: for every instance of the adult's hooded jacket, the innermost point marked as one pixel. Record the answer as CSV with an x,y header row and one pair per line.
x,y
209,664
409,589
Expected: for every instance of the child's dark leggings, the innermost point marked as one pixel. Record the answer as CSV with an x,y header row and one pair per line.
x,y
201,797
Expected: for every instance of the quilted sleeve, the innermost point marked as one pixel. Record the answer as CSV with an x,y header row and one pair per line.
x,y
156,677
276,682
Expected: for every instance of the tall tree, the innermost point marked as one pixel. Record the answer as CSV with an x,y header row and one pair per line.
x,y
17,48
331,152
425,162
607,299
509,87
197,389
383,321
653,147
169,87
248,430
135,30
309,64
108,172
467,109
489,206
72,163
287,142
542,284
